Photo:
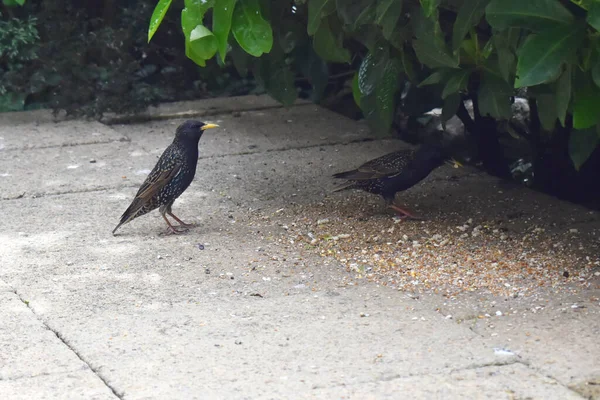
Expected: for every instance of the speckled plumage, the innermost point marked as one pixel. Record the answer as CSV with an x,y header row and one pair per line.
x,y
394,172
171,176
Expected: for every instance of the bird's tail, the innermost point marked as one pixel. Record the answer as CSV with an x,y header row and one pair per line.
x,y
347,185
132,212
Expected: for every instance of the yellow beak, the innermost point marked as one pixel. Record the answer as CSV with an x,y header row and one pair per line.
x,y
454,163
208,126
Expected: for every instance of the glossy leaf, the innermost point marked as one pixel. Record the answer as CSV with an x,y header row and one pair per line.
x,y
506,57
408,66
582,144
433,55
157,16
355,90
277,78
356,12
563,95
379,107
585,106
547,111
451,104
429,6
191,17
542,55
317,10
387,14
328,45
203,41
469,15
250,29
494,97
593,16
535,15
456,82
437,77
222,17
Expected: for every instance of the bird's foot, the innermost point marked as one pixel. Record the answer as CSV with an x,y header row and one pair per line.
x,y
404,214
181,223
172,230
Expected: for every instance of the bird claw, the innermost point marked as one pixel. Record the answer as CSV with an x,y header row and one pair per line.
x,y
171,230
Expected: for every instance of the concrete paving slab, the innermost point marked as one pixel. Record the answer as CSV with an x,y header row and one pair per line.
x,y
28,347
33,135
60,386
253,131
509,382
226,310
56,170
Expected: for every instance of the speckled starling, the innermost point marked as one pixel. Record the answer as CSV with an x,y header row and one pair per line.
x,y
171,176
396,172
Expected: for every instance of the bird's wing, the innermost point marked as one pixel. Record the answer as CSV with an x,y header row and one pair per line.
x,y
156,181
385,166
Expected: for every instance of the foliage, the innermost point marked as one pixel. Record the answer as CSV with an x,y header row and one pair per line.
x,y
478,49
18,46
90,58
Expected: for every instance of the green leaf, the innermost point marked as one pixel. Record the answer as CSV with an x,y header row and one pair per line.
x,y
378,79
457,82
241,59
451,104
368,74
429,7
582,144
12,102
593,16
379,107
435,78
585,106
328,46
542,55
277,78
596,73
204,45
433,55
203,42
356,90
506,57
387,14
250,29
408,66
469,15
494,97
356,12
317,10
535,15
222,17
563,94
157,16
547,111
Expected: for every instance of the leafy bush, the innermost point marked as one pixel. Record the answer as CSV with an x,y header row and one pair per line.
x,y
18,46
90,58
409,56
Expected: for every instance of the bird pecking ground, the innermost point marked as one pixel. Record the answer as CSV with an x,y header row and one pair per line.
x,y
500,240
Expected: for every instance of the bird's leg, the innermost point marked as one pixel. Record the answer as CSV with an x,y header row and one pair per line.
x,y
171,229
178,220
403,213
181,223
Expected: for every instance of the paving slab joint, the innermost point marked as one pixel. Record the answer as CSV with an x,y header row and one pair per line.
x,y
141,118
71,348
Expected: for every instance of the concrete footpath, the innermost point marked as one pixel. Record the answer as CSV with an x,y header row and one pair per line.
x,y
141,315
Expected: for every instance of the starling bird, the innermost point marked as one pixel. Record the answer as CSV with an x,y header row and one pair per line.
x,y
395,172
172,174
